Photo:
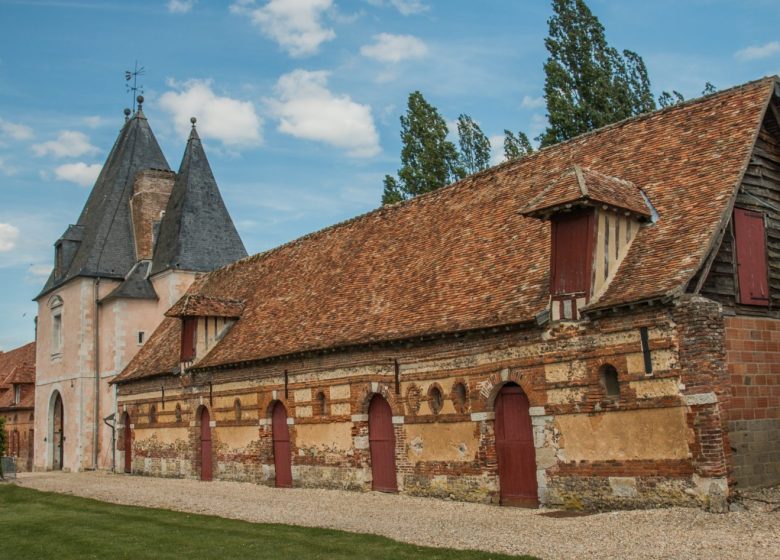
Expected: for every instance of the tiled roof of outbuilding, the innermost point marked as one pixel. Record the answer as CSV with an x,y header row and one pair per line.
x,y
17,366
463,257
196,305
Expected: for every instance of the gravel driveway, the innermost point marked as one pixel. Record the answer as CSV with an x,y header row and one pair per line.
x,y
667,533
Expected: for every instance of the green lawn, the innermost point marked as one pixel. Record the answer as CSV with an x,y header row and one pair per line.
x,y
40,525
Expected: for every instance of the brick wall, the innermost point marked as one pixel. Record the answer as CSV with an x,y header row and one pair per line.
x,y
753,357
662,442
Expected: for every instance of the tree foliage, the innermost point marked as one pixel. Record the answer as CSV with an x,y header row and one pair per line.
x,y
667,99
516,146
428,160
474,146
588,83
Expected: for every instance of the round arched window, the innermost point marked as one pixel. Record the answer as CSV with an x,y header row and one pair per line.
x,y
460,398
435,399
237,408
153,414
177,412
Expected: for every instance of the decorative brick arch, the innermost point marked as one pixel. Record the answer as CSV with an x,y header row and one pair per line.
x,y
490,387
378,388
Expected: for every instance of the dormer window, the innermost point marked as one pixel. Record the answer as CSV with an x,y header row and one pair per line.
x,y
594,219
17,393
189,331
752,270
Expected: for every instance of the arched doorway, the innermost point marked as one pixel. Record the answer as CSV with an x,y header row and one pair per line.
x,y
128,439
281,437
57,432
381,440
205,444
515,448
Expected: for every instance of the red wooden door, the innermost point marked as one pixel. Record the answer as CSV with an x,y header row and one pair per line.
x,y
205,444
128,444
515,448
381,441
281,437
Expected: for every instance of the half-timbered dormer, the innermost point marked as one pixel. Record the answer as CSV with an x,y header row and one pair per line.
x,y
204,321
594,218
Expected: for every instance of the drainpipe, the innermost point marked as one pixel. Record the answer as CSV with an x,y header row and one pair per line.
x,y
96,428
110,421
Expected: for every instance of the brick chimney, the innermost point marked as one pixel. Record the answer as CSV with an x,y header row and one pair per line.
x,y
151,191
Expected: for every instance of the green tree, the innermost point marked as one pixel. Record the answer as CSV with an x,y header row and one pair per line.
x,y
474,146
588,84
667,99
516,146
709,89
428,160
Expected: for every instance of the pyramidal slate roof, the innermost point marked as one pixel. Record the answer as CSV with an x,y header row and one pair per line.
x,y
106,247
196,232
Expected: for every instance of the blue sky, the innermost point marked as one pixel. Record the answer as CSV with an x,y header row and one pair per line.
x,y
297,100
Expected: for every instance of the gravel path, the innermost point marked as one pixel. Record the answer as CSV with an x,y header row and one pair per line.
x,y
667,533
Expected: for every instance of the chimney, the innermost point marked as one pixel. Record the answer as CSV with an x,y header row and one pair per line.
x,y
151,191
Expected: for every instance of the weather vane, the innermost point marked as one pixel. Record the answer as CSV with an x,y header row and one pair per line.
x,y
135,88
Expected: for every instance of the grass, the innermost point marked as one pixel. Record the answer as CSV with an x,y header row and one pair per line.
x,y
40,525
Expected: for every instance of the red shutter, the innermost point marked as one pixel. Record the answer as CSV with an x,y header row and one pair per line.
x,y
751,257
188,331
572,247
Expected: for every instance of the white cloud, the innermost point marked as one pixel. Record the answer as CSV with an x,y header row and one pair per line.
x,y
94,121
394,48
296,25
307,109
410,7
40,270
231,121
180,6
7,169
83,174
69,143
8,236
532,102
16,131
497,149
762,51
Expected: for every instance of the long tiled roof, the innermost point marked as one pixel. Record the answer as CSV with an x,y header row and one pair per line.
x,y
463,257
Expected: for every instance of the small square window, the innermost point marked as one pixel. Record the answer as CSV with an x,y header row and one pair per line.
x,y
141,337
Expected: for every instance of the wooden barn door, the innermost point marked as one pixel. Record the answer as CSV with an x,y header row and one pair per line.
x,y
381,441
281,437
205,444
515,448
30,449
128,438
58,435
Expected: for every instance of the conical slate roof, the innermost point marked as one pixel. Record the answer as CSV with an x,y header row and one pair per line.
x,y
107,247
196,232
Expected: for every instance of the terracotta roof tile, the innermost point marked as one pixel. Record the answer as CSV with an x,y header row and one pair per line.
x,y
17,366
463,258
195,305
582,186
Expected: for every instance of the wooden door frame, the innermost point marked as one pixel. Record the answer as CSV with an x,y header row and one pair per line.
x,y
204,410
274,405
371,400
128,441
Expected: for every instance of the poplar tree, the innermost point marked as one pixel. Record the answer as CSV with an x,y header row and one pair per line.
x,y
516,146
474,146
588,84
428,160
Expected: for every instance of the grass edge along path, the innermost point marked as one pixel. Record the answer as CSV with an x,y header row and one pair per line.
x,y
36,525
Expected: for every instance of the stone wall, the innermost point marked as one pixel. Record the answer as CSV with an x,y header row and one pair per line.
x,y
753,354
660,442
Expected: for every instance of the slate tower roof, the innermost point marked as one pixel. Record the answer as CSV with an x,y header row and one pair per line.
x,y
196,232
106,248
